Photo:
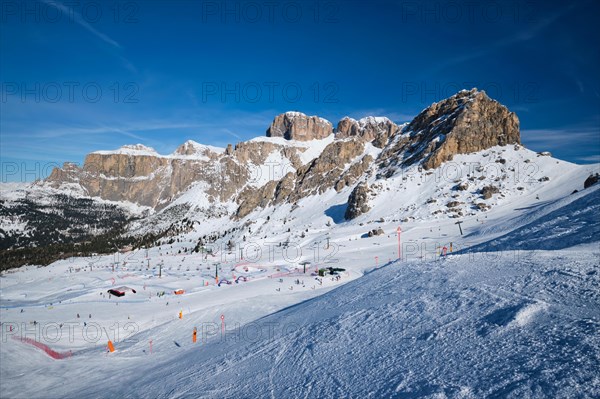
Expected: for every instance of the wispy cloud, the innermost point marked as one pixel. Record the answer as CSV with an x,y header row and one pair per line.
x,y
55,135
559,138
590,158
77,18
521,36
232,134
126,129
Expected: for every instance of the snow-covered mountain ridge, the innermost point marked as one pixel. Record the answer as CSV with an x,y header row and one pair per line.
x,y
465,123
460,158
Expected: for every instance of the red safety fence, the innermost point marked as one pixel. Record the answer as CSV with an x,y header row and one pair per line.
x,y
50,352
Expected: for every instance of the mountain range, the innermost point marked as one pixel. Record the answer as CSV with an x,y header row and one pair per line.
x,y
458,158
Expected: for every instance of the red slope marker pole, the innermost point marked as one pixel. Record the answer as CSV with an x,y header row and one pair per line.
x,y
398,230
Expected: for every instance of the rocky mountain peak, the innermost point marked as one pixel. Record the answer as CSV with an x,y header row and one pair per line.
x,y
190,148
373,129
298,126
467,122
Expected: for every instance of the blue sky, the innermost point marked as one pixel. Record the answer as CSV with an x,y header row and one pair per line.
x,y
90,75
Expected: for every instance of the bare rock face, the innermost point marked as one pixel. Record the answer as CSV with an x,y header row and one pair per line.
x,y
465,123
257,152
68,174
192,149
298,126
142,176
591,180
358,202
488,191
354,173
372,129
321,174
347,127
251,198
121,176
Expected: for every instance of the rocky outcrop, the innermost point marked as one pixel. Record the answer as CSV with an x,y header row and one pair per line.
x,y
372,129
358,202
193,149
326,171
250,198
354,172
465,123
488,191
591,180
298,126
323,172
256,153
376,232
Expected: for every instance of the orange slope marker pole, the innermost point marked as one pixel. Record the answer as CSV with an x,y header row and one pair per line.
x,y
194,334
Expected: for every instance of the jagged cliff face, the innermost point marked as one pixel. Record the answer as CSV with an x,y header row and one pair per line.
x,y
315,160
465,123
140,175
327,171
297,126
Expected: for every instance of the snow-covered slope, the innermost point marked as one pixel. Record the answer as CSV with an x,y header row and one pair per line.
x,y
516,323
553,225
455,329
